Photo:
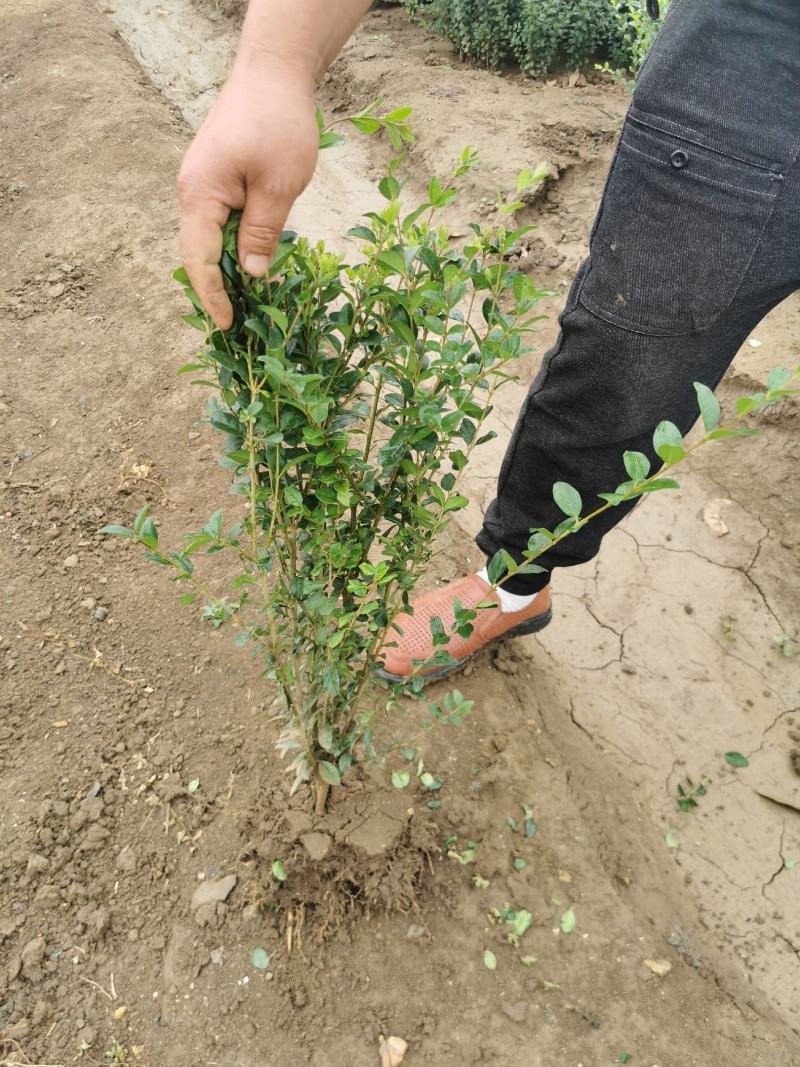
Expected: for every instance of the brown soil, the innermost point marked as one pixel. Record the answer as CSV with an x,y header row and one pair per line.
x,y
129,908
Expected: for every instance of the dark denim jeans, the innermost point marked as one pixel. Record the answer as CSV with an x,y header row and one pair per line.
x,y
697,238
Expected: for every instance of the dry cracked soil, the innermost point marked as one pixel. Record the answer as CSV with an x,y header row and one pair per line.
x,y
130,907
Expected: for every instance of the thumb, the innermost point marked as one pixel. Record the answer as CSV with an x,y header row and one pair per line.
x,y
263,219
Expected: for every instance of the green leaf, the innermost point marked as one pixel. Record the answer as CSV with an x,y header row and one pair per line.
x,y
660,483
568,499
520,864
260,958
709,406
148,534
214,525
196,321
430,782
531,568
399,115
637,465
788,647
671,839
521,921
389,187
141,517
329,139
567,921
489,960
364,232
257,327
278,317
329,773
331,684
118,531
500,563
365,123
736,759
393,261
325,737
668,442
278,870
455,503
778,377
624,1057
400,779
744,431
193,786
402,330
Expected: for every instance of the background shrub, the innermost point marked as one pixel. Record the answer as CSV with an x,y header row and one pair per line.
x,y
542,35
485,30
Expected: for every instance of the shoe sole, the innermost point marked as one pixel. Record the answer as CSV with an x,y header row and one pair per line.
x,y
530,626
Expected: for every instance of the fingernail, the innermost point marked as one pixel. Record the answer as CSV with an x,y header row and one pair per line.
x,y
256,265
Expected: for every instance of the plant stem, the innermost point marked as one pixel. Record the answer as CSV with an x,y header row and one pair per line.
x,y
321,793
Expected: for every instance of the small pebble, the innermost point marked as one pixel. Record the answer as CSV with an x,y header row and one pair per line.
x,y
101,614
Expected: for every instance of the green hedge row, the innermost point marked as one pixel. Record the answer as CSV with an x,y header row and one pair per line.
x,y
538,35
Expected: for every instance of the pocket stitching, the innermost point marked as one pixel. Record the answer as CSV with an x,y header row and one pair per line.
x,y
768,195
670,128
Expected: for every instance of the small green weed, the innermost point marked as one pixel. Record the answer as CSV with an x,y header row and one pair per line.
x,y
788,647
689,793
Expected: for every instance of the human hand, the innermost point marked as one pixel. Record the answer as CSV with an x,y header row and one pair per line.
x,y
256,150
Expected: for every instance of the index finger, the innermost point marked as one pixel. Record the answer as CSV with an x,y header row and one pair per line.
x,y
201,248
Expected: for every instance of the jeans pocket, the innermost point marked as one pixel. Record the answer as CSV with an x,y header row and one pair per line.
x,y
677,229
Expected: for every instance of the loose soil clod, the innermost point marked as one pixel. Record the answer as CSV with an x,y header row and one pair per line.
x,y
392,1051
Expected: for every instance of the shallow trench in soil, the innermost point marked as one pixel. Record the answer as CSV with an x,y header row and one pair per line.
x,y
662,658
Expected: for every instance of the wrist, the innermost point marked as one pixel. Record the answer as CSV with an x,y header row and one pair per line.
x,y
296,71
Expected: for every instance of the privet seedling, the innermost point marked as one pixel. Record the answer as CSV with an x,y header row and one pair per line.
x,y
351,396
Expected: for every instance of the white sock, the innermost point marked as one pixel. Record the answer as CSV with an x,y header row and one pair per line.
x,y
509,602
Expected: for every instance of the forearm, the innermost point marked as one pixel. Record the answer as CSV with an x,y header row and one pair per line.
x,y
302,37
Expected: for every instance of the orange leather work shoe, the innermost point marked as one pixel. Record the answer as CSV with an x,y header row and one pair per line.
x,y
415,641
